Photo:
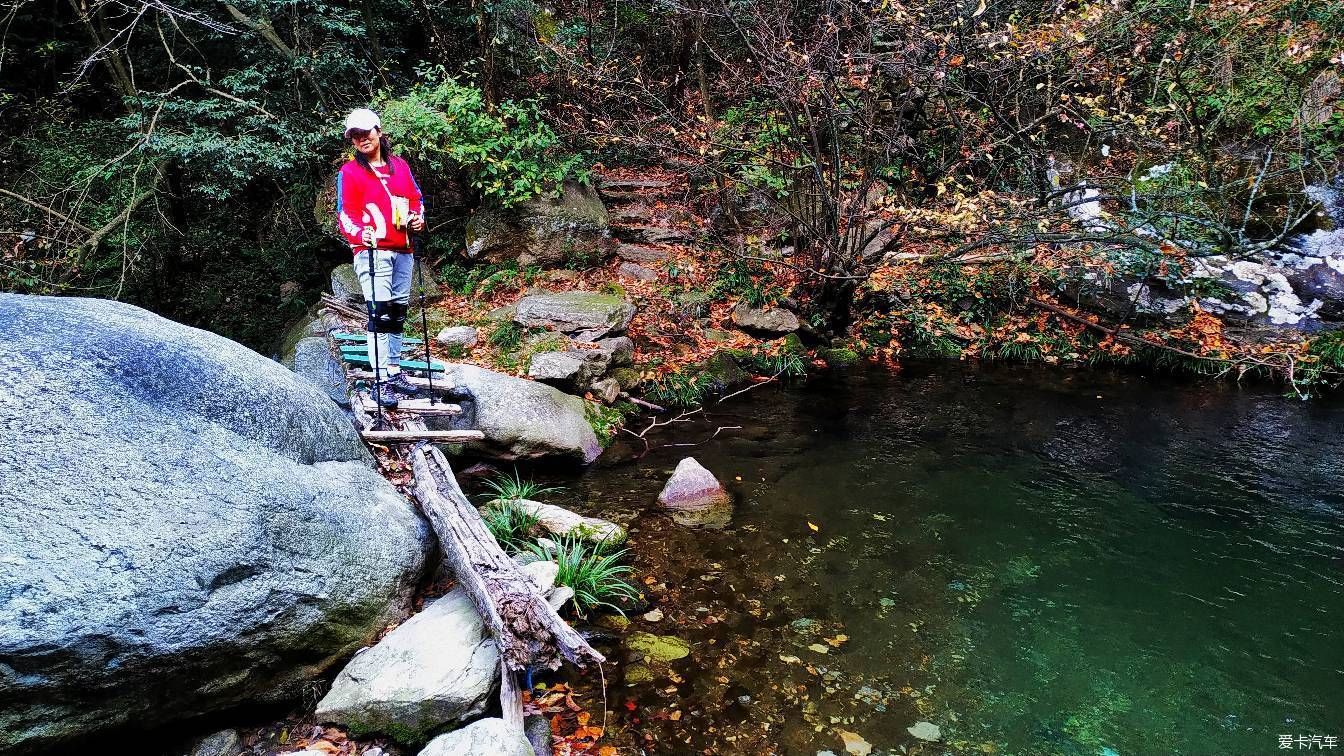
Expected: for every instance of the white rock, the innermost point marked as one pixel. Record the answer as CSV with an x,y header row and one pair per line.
x,y
543,573
695,497
487,737
462,336
562,522
438,667
557,597
925,731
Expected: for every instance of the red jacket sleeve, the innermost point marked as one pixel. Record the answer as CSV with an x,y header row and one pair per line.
x,y
349,206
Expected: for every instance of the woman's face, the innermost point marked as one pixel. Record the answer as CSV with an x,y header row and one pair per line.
x,y
366,142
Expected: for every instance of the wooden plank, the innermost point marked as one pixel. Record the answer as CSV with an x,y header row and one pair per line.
x,y
408,436
359,359
359,338
441,383
417,406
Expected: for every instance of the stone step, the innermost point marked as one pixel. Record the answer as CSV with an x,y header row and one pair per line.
x,y
627,184
652,234
638,253
630,215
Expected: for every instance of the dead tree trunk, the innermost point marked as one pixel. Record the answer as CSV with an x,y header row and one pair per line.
x,y
527,630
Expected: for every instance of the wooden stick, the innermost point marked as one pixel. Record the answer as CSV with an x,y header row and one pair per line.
x,y
510,698
408,436
342,307
418,407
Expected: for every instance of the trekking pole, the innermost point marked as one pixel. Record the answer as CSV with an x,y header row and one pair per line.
x,y
373,317
418,250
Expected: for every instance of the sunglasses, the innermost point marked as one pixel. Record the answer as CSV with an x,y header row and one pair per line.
x,y
360,135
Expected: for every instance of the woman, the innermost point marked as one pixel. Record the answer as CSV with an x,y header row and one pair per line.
x,y
377,201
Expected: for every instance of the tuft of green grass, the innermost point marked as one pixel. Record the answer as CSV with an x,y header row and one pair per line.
x,y
596,575
606,421
1330,348
506,336
510,524
678,390
510,488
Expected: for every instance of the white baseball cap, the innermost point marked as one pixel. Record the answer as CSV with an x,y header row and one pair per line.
x,y
362,119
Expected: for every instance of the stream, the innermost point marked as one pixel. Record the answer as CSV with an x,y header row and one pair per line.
x,y
1030,561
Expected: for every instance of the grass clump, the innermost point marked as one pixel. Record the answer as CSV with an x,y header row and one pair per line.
x,y
606,421
507,520
595,574
678,390
510,524
513,487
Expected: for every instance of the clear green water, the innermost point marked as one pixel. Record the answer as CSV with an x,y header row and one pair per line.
x,y
1036,562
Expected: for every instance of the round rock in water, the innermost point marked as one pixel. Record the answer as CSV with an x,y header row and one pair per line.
x,y
185,525
693,496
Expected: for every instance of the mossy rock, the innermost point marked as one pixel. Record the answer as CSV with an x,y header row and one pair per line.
x,y
345,284
839,357
723,372
694,304
629,378
547,230
658,648
636,674
791,344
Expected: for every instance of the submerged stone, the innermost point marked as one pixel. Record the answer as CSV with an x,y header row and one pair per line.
x,y
661,648
638,673
925,731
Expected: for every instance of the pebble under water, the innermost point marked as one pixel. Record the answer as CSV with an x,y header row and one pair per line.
x,y
1012,560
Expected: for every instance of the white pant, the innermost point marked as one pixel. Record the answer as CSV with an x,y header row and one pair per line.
x,y
391,282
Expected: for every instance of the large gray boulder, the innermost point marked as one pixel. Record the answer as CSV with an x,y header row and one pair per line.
x,y
521,419
487,737
185,525
345,284
586,315
437,668
569,227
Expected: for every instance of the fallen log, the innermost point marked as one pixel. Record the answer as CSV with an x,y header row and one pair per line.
x,y
527,629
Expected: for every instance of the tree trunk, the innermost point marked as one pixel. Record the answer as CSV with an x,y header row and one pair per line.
x,y
528,632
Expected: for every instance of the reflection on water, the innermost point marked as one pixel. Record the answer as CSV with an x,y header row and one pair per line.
x,y
1034,562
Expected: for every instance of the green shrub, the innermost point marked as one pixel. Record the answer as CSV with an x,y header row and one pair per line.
x,y
509,154
1329,347
597,578
606,421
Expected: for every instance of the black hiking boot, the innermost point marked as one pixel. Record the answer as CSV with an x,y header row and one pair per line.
x,y
384,395
402,385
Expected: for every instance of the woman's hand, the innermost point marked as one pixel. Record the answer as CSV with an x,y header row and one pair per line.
x,y
416,222
368,236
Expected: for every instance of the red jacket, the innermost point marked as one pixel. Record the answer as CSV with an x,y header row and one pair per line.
x,y
365,200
